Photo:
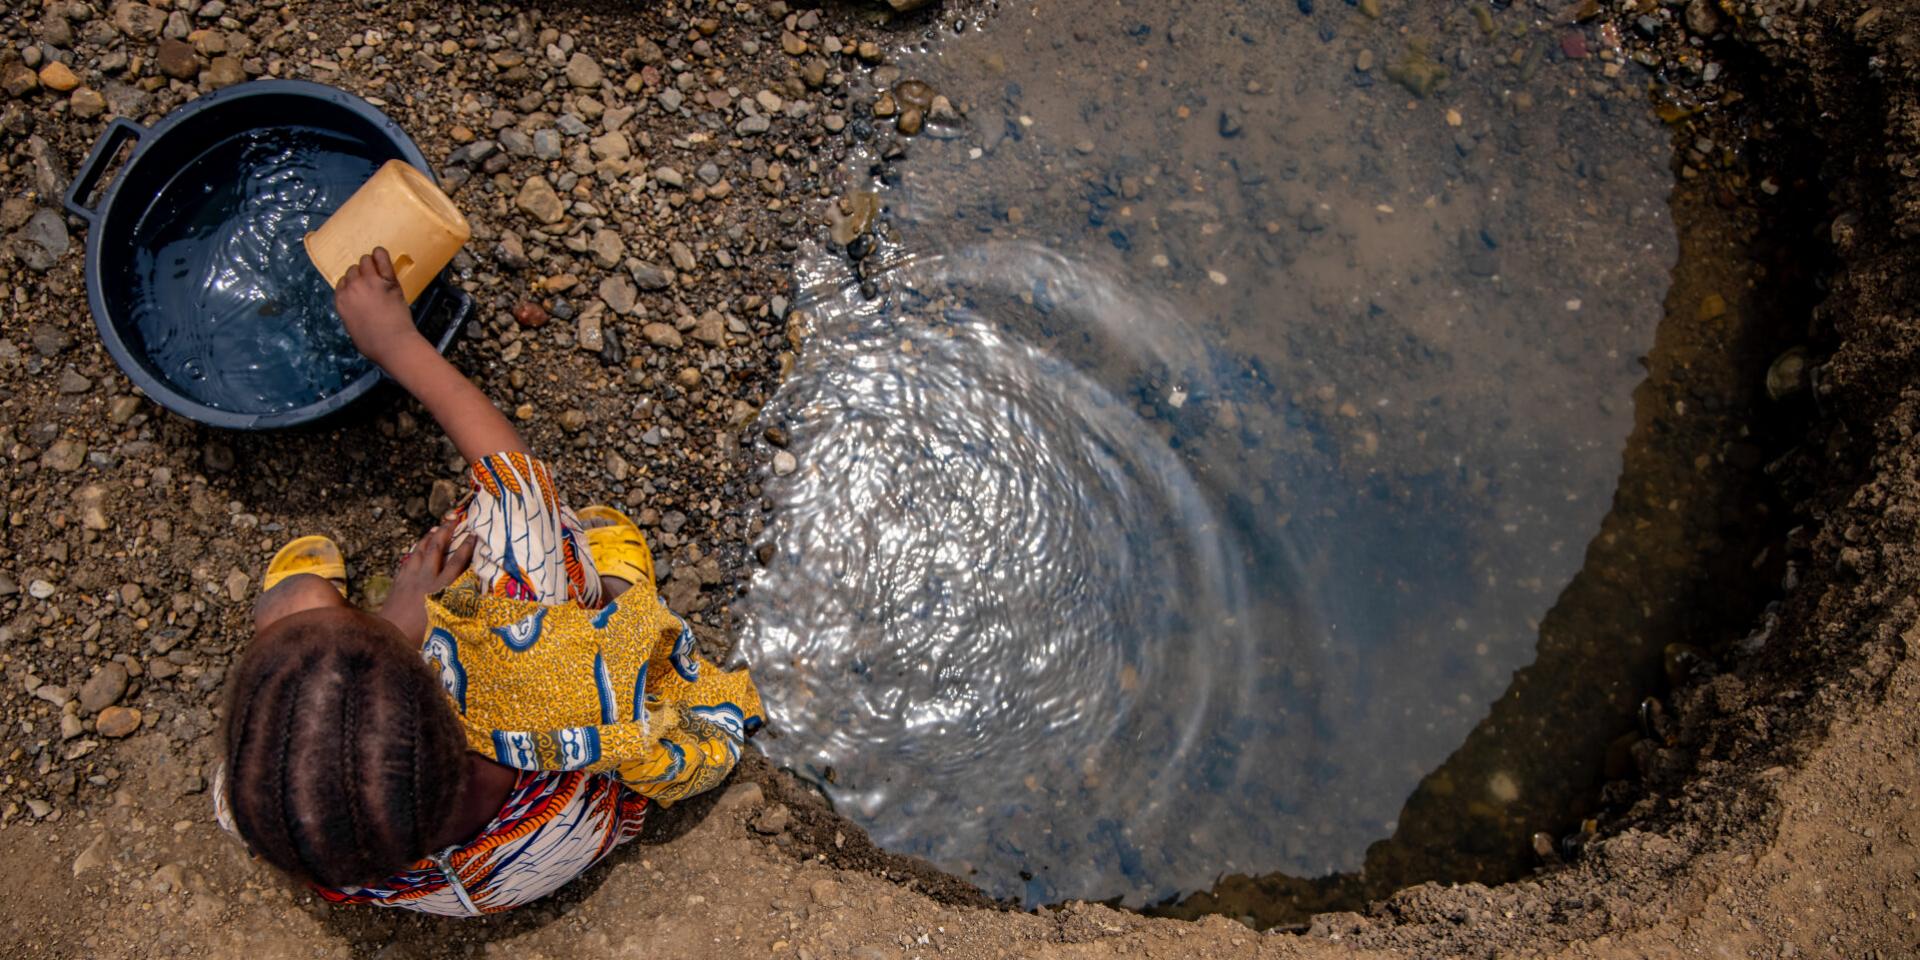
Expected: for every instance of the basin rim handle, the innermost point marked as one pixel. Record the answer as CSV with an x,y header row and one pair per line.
x,y
118,132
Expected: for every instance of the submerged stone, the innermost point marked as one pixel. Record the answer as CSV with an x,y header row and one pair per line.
x,y
1788,374
862,207
1417,71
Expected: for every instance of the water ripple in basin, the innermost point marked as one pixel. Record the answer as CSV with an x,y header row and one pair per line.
x,y
231,311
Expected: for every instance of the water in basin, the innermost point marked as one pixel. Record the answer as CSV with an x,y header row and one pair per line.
x,y
231,312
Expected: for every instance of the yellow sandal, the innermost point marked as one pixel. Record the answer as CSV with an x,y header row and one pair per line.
x,y
618,548
316,555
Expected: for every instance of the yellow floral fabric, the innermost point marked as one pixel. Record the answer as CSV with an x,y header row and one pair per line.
x,y
618,689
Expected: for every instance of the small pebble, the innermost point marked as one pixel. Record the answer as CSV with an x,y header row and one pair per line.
x,y
529,315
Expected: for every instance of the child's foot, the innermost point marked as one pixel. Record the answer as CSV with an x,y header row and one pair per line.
x,y
318,556
305,574
619,551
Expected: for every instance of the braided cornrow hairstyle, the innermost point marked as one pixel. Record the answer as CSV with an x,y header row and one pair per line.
x,y
343,756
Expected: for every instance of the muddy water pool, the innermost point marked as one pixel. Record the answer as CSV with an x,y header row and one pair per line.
x,y
1190,448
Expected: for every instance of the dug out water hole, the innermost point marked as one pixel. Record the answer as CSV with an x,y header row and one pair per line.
x,y
1251,458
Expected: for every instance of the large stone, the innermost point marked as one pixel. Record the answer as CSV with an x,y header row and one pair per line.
x,y
441,498
662,335
117,722
87,103
711,329
47,233
65,456
224,72
650,276
48,165
588,334
91,500
237,584
14,214
96,855
104,689
607,248
55,30
511,251
619,294
682,256
612,146
1701,18
139,21
127,100
210,43
18,79
58,77
828,893
539,201
584,72
178,59
742,795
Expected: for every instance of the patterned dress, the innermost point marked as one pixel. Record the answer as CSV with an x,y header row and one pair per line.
x,y
552,828
564,686
579,697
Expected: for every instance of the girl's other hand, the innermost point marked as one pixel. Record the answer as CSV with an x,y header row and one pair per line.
x,y
434,563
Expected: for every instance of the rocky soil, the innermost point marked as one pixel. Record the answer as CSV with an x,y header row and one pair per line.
x,y
640,179
638,184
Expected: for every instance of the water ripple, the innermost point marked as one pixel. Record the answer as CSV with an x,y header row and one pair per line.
x,y
990,562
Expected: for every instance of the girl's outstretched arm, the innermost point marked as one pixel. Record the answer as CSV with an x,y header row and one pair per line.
x,y
377,318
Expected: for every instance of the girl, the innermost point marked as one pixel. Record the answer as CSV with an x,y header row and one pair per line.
x,y
505,720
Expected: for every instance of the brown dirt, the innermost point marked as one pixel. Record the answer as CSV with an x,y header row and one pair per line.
x,y
1775,816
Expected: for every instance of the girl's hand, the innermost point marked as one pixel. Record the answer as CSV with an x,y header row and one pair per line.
x,y
374,310
434,562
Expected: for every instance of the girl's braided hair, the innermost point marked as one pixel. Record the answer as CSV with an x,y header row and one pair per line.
x,y
343,757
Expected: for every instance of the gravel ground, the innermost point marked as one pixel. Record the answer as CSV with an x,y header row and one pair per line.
x,y
687,152
638,182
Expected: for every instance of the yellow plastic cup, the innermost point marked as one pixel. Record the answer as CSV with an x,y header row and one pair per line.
x,y
398,208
